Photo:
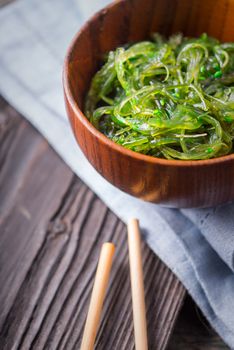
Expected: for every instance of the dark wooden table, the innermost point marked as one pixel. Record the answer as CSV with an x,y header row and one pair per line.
x,y
51,230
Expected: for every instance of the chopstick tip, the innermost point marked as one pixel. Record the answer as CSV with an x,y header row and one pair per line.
x,y
133,221
109,245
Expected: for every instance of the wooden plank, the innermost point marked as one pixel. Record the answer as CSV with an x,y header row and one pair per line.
x,y
52,227
193,332
5,2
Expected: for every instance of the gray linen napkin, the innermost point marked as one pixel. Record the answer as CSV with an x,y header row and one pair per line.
x,y
198,245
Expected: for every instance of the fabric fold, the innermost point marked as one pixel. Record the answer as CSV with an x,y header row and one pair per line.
x,y
217,226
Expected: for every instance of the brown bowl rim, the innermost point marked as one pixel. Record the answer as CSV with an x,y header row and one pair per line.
x,y
104,139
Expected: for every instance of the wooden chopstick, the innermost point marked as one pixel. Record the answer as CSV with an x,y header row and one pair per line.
x,y
137,285
97,297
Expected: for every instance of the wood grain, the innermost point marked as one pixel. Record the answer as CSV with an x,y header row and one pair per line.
x,y
192,331
173,183
52,227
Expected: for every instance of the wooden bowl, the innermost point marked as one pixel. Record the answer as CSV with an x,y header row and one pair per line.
x,y
172,183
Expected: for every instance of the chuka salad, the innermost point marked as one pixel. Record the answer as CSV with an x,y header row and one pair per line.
x,y
172,98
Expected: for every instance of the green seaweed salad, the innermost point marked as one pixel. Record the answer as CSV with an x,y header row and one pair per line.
x,y
170,98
